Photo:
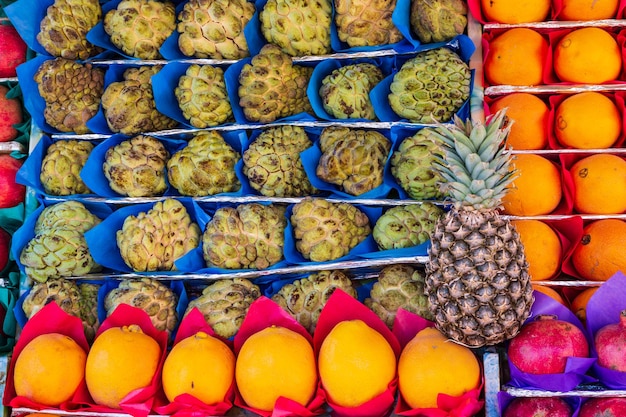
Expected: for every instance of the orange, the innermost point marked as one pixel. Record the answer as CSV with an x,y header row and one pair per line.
x,y
588,9
537,188
587,120
356,363
49,369
121,360
599,184
550,292
588,55
515,11
600,252
516,57
579,303
276,362
199,365
430,364
542,248
530,120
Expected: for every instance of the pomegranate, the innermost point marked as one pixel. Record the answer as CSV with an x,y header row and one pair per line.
x,y
12,50
603,407
542,346
11,193
538,407
610,344
10,115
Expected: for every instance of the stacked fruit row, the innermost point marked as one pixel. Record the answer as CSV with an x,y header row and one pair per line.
x,y
546,10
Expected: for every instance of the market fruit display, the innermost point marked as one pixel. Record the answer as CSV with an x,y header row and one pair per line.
x,y
12,50
200,365
276,362
543,345
436,101
214,28
129,105
488,256
206,166
609,343
225,303
438,21
305,298
202,96
352,159
69,105
356,363
430,365
398,286
538,406
121,360
139,27
530,113
406,226
157,299
61,166
597,184
137,167
366,22
271,86
10,115
412,165
298,27
273,165
63,30
250,235
49,369
153,240
597,255
326,230
345,91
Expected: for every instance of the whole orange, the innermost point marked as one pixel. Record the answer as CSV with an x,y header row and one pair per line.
x,y
276,362
579,303
356,363
537,188
121,360
529,115
588,9
599,184
512,11
587,120
516,57
49,369
588,55
550,292
431,364
600,252
542,248
199,365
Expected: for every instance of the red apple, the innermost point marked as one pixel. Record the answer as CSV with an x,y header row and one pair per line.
x,y
10,114
603,407
538,407
11,193
5,247
12,51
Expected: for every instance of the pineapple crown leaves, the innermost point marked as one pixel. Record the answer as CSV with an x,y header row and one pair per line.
x,y
475,162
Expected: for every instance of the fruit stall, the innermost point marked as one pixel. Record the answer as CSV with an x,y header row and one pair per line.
x,y
291,208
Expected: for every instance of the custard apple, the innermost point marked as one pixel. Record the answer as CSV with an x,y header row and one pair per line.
x,y
366,22
406,226
70,214
61,166
438,20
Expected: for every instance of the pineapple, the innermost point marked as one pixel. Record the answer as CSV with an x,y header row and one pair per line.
x,y
477,275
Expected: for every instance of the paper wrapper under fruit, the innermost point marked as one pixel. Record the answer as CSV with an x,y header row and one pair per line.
x,y
264,313
50,319
102,239
187,405
137,403
604,308
575,369
342,307
405,326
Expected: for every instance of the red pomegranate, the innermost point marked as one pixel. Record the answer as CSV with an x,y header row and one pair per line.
x,y
610,344
603,407
538,407
542,346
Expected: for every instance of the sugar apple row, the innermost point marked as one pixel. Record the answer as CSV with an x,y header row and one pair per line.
x,y
231,29
224,303
279,161
72,239
427,87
